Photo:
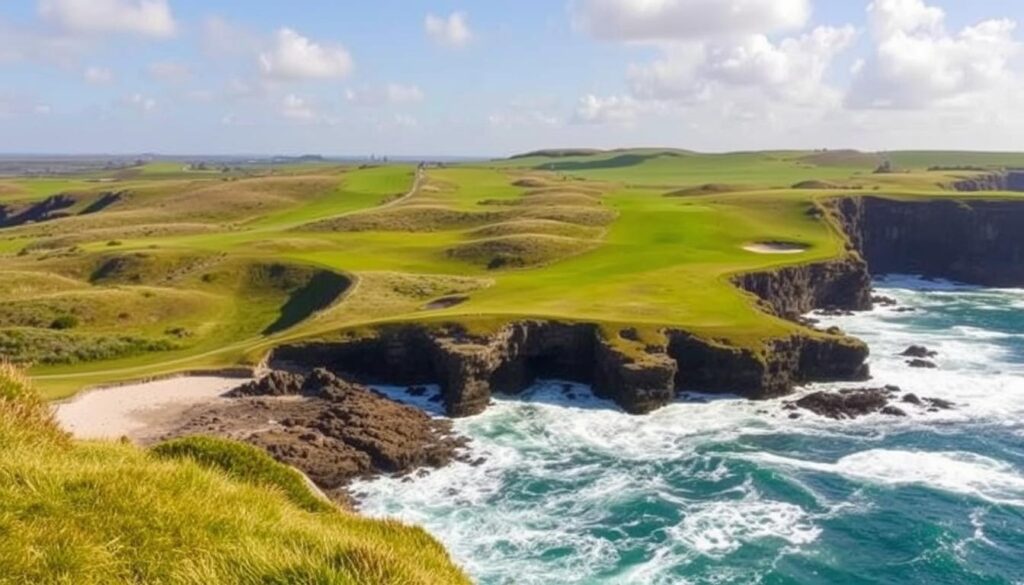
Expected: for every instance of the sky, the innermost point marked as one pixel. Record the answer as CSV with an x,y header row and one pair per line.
x,y
460,78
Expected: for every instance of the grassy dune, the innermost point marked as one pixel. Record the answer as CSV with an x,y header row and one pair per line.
x,y
199,511
192,270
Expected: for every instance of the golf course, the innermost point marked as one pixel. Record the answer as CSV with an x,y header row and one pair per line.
x,y
161,269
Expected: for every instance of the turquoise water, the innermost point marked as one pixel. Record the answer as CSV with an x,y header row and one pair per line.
x,y
720,490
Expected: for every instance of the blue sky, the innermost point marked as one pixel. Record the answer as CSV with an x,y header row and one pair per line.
x,y
489,78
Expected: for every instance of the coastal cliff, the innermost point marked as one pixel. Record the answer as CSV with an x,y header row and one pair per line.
x,y
638,378
1012,180
972,241
792,291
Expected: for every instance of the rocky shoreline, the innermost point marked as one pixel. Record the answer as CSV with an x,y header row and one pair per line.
x,y
331,429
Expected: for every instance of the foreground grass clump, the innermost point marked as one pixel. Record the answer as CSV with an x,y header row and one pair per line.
x,y
198,511
243,462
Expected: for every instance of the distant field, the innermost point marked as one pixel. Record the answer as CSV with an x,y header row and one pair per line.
x,y
163,268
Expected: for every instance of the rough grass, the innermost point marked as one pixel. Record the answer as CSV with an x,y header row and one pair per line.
x,y
409,218
201,512
246,463
27,345
706,189
519,251
546,227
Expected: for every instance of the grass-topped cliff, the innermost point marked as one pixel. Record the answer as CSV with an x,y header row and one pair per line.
x,y
163,269
197,511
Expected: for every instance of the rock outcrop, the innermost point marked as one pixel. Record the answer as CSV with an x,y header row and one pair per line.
x,y
792,291
857,402
331,429
638,378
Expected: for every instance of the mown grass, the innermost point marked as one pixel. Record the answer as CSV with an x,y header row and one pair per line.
x,y
588,237
199,511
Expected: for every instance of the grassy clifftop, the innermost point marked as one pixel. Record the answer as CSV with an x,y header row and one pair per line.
x,y
200,511
184,271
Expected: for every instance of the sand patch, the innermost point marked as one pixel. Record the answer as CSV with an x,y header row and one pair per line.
x,y
775,248
139,411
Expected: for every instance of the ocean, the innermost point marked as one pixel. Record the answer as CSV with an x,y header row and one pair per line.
x,y
566,489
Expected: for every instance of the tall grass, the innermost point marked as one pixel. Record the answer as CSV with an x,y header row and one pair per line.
x,y
200,512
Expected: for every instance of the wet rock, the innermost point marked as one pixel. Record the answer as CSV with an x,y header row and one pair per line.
x,y
939,403
884,301
919,351
923,364
893,411
912,399
850,403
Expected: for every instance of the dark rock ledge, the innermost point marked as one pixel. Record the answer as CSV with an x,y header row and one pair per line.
x,y
331,429
638,377
851,403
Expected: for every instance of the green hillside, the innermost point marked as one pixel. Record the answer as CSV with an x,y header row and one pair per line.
x,y
173,270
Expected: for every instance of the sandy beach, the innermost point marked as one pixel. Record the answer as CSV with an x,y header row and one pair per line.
x,y
139,411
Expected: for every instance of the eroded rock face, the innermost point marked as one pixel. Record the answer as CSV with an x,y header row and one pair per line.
x,y
331,429
972,241
1012,180
639,378
792,291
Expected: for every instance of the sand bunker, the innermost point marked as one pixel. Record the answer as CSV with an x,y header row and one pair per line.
x,y
139,411
775,248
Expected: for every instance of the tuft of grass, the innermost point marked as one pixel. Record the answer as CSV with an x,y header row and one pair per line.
x,y
201,512
246,463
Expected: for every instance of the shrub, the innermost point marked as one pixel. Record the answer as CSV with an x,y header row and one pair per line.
x,y
64,322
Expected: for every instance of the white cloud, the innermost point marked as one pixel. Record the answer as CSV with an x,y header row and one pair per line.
x,y
917,63
98,75
451,31
299,109
150,18
221,38
140,102
294,56
714,51
664,20
169,71
390,94
18,44
621,110
792,69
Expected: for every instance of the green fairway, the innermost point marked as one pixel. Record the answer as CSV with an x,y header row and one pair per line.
x,y
188,270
